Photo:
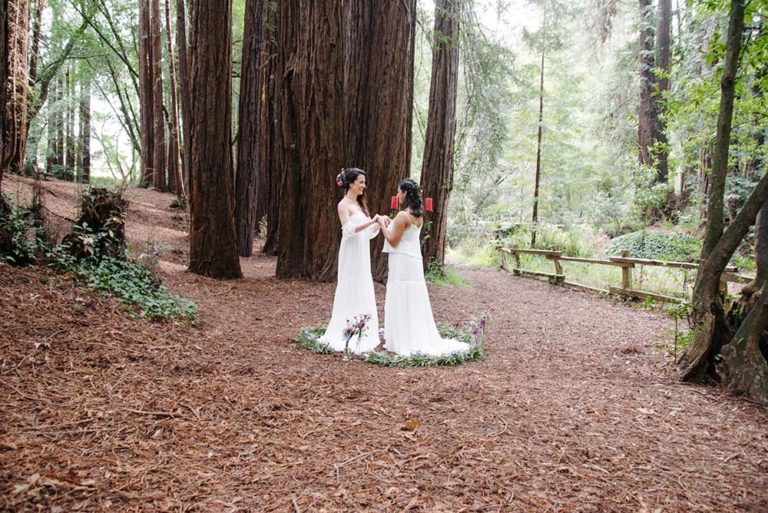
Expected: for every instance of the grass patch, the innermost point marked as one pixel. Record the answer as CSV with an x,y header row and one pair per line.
x,y
448,276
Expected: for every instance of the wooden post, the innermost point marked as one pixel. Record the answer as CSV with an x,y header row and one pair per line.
x,y
626,273
517,261
559,275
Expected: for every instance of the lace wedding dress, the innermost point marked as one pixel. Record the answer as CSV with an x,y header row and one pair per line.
x,y
354,288
409,326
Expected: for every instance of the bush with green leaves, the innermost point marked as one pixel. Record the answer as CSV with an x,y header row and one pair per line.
x,y
20,233
675,246
136,287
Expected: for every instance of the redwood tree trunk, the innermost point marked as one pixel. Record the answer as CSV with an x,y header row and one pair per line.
x,y
34,54
437,167
268,191
175,181
311,113
85,134
159,178
379,100
3,90
248,163
184,88
213,244
645,121
16,85
69,132
145,94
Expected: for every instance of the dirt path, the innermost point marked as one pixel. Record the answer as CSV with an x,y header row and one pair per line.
x,y
574,408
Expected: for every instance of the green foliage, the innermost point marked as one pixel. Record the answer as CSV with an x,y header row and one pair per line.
x,y
136,287
23,234
679,247
308,339
444,276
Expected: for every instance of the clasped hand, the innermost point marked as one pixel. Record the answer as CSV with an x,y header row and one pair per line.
x,y
383,221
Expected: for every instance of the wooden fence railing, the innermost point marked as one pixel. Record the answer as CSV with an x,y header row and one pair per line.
x,y
624,261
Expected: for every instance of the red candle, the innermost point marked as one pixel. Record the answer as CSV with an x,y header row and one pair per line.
x,y
428,205
393,203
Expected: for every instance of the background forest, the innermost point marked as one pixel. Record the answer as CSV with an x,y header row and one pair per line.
x,y
628,95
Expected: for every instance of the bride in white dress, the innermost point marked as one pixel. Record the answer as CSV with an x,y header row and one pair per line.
x,y
409,326
354,288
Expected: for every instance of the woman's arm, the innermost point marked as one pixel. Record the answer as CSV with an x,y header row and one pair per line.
x,y
344,217
394,232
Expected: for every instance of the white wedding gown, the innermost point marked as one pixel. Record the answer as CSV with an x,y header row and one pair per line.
x,y
354,288
409,326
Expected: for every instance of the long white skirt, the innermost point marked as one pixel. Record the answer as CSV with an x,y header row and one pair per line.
x,y
409,326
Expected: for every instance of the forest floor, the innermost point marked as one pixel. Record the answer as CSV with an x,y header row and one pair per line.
x,y
574,409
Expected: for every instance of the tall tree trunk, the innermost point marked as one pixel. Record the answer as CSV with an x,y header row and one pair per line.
x,y
85,134
379,100
645,122
248,163
744,357
159,178
3,91
663,36
539,133
213,242
184,88
268,192
17,86
59,129
70,127
311,111
34,54
146,96
175,181
710,327
437,166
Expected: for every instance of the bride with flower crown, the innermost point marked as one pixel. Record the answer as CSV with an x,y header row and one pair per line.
x,y
355,296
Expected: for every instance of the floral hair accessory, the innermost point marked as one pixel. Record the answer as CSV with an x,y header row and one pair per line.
x,y
340,179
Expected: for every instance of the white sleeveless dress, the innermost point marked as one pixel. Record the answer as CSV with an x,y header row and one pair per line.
x,y
354,288
409,326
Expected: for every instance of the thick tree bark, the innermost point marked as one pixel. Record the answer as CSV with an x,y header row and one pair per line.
x,y
175,180
184,89
268,191
709,318
146,96
159,178
85,134
17,86
3,90
539,134
379,100
663,35
213,243
311,112
34,55
437,166
248,163
645,121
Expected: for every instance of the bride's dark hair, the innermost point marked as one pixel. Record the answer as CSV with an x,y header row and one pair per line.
x,y
346,178
412,196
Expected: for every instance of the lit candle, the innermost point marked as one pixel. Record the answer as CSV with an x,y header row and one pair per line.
x,y
393,203
428,205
